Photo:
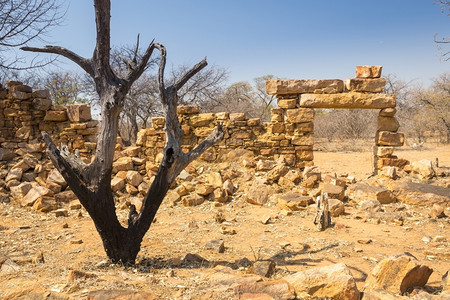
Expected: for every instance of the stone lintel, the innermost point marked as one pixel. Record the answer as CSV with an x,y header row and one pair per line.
x,y
301,86
348,100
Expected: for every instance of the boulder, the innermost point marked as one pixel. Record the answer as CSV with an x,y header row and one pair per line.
x,y
397,274
334,191
424,168
134,178
294,201
414,193
258,193
336,207
370,205
361,191
121,294
387,124
192,200
34,194
333,282
264,268
274,289
124,163
19,191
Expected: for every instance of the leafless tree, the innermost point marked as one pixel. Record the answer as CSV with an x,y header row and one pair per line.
x,y
443,41
92,182
22,21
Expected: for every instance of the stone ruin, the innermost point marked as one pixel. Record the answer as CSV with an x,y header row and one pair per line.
x,y
288,137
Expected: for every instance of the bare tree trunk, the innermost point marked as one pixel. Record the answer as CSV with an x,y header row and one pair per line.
x,y
91,183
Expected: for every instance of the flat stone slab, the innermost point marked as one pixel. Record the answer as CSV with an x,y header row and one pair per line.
x,y
302,86
348,100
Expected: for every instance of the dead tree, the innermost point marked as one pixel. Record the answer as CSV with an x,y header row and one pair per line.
x,y
322,219
91,182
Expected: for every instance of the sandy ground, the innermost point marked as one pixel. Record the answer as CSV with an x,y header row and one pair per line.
x,y
291,240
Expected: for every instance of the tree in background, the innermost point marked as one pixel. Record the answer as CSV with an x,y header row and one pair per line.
x,y
22,21
91,182
66,88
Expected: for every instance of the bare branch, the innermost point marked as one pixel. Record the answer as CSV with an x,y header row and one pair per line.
x,y
162,66
102,21
189,74
215,137
137,71
85,64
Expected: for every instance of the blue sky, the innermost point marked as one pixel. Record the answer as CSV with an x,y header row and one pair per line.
x,y
286,38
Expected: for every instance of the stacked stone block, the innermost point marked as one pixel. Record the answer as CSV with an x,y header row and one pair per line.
x,y
25,113
298,98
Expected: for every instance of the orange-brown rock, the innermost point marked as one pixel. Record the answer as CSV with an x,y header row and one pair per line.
x,y
351,100
300,86
368,71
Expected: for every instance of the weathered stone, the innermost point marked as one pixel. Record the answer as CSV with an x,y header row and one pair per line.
x,y
413,193
276,173
387,124
273,289
220,195
299,115
201,119
34,194
384,151
336,207
55,116
192,200
361,191
370,205
66,196
334,191
45,204
117,184
304,155
215,245
158,122
301,86
294,201
121,295
353,100
387,138
79,112
57,178
264,268
287,103
437,211
204,189
383,295
188,109
14,174
41,93
424,168
19,191
303,140
123,164
6,154
265,165
134,178
370,85
254,122
388,112
397,274
393,162
368,71
310,171
258,193
334,282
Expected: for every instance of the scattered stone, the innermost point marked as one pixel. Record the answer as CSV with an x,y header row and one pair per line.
x,y
34,194
192,200
334,191
361,191
294,201
334,282
397,274
336,207
365,241
437,211
121,294
274,289
193,258
62,212
370,205
414,193
424,168
310,181
204,189
215,245
258,193
264,268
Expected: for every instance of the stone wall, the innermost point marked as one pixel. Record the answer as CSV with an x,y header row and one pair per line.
x,y
289,134
25,113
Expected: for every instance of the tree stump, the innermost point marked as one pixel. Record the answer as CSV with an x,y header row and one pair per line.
x,y
323,216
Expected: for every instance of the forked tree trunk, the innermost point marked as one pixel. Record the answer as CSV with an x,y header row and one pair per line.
x,y
91,182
